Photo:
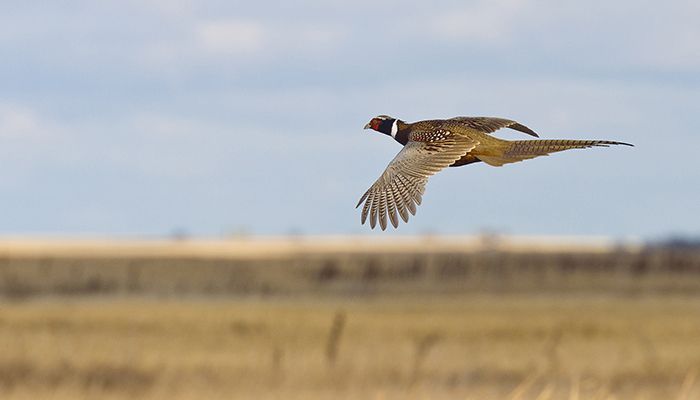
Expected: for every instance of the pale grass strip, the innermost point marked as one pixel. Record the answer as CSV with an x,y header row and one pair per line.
x,y
546,392
575,388
603,392
688,383
519,390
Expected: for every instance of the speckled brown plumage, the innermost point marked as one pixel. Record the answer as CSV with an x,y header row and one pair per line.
x,y
431,145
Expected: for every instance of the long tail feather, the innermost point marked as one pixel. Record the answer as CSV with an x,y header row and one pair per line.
x,y
541,147
520,150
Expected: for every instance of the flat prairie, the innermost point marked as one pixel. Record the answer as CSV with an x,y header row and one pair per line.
x,y
443,322
473,347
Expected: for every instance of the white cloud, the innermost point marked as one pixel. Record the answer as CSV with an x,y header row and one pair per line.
x,y
231,36
21,122
489,21
166,7
31,138
16,121
239,42
249,37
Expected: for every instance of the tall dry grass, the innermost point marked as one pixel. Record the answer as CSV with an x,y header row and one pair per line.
x,y
433,320
470,347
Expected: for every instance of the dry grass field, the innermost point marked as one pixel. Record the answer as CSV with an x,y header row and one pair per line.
x,y
447,321
476,347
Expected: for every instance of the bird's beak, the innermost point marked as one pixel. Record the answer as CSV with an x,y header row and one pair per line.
x,y
367,126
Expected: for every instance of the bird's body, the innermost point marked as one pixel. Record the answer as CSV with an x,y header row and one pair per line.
x,y
431,145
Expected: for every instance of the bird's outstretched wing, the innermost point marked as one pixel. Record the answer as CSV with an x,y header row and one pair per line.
x,y
491,124
402,184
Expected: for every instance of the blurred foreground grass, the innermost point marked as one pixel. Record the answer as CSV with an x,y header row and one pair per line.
x,y
348,318
399,347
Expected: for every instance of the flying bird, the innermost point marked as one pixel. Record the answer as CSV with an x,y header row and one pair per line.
x,y
432,145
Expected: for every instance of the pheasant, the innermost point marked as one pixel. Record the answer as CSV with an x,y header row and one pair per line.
x,y
432,145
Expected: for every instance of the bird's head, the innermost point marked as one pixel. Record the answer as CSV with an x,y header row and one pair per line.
x,y
384,124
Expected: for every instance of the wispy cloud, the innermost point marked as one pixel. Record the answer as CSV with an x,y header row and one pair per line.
x,y
481,21
237,37
19,122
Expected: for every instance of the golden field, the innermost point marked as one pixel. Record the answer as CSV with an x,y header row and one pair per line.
x,y
400,348
446,321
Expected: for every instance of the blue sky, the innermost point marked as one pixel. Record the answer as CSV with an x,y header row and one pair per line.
x,y
215,117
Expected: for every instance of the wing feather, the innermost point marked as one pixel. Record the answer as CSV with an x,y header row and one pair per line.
x,y
491,124
393,200
402,184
